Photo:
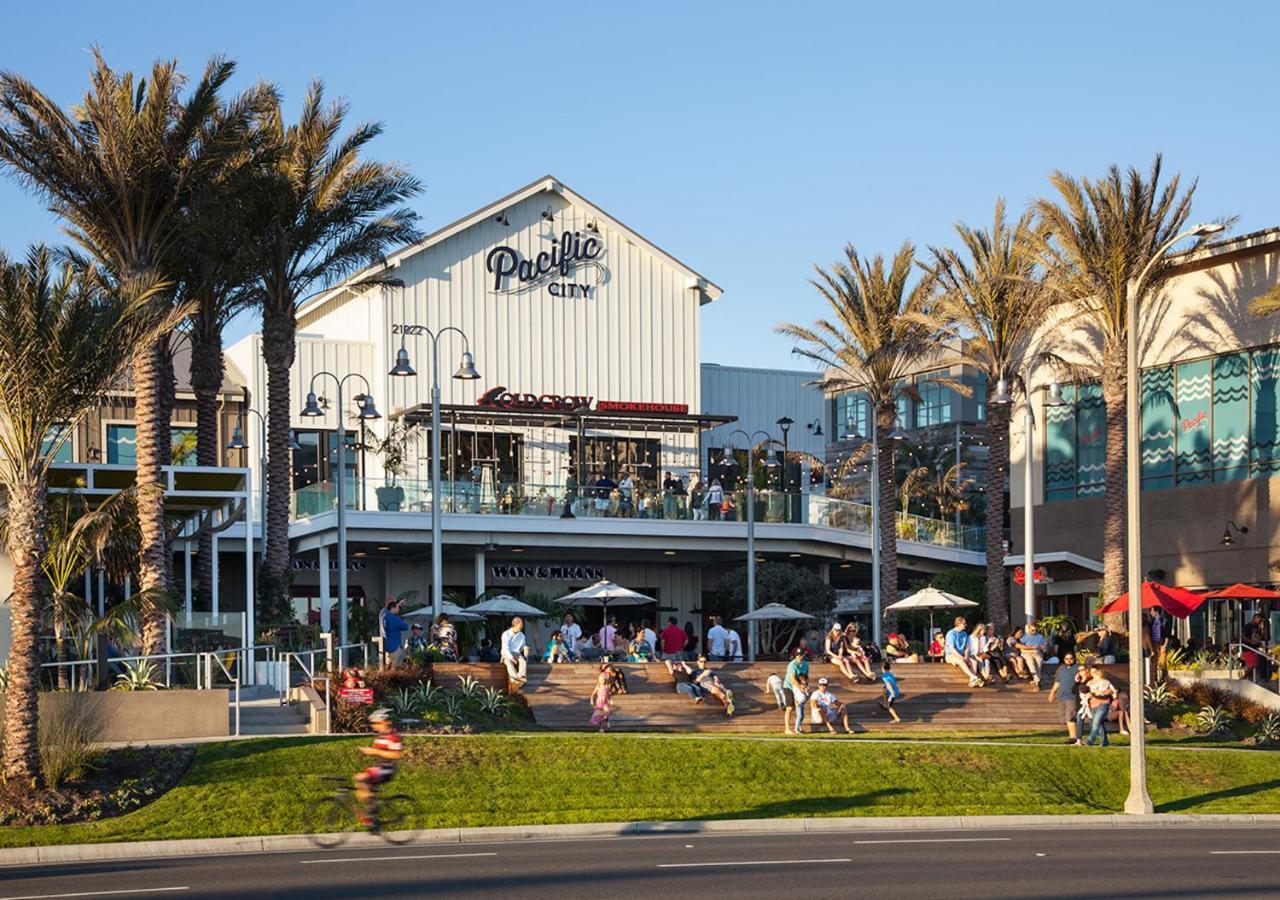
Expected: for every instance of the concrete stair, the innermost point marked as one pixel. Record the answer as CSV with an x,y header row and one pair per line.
x,y
261,713
935,698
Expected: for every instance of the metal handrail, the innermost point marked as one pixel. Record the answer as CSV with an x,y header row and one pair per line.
x,y
212,657
168,681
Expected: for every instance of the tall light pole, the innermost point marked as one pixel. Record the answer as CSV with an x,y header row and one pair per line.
x,y
367,410
770,462
466,372
238,442
1003,397
896,435
1139,800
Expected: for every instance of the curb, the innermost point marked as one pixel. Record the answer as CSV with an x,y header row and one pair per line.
x,y
70,853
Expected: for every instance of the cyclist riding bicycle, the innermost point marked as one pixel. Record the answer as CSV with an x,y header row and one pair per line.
x,y
387,749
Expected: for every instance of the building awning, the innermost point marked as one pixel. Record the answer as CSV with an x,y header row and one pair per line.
x,y
188,489
1062,557
643,418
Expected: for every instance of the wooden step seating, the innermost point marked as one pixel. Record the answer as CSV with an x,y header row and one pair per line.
x,y
935,697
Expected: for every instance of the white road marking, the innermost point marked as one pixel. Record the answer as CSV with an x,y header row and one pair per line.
x,y
936,840
752,862
351,859
160,890
1241,852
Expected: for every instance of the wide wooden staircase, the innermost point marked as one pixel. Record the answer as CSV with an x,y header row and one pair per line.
x,y
935,698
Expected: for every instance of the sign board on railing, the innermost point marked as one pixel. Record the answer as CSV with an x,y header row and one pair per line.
x,y
356,695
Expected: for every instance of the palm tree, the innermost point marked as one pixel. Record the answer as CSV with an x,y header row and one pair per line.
x,y
1096,238
121,169
64,340
326,212
873,343
994,301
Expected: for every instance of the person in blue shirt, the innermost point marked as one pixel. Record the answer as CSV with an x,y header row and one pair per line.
x,y
891,690
956,652
1032,647
392,628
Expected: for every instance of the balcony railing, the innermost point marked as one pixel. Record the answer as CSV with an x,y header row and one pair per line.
x,y
549,501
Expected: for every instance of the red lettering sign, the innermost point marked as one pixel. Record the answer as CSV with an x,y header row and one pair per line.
x,y
500,398
1194,423
633,406
356,695
1020,575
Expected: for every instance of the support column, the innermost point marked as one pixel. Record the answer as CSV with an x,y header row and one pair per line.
x,y
186,580
250,616
326,604
102,592
824,572
213,569
480,588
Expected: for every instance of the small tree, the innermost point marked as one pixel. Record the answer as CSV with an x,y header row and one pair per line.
x,y
776,582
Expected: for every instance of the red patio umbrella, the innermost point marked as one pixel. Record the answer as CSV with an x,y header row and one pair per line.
x,y
1240,591
1174,600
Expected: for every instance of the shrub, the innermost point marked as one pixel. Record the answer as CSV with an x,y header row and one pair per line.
x,y
1186,720
389,679
1268,730
469,687
66,736
493,702
402,704
1158,694
1211,720
138,677
1255,713
425,696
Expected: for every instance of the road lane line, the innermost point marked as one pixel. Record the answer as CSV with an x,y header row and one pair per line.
x,y
351,859
751,862
1242,852
936,840
160,890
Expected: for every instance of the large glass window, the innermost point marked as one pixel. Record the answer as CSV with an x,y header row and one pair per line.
x,y
122,445
935,403
1203,420
852,415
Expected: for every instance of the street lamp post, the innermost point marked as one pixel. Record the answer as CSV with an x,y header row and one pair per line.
x,y
1028,482
367,410
897,435
466,372
238,442
770,462
1139,800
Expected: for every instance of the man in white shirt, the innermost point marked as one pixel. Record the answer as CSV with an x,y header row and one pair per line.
x,y
650,636
717,638
733,647
514,650
827,709
571,634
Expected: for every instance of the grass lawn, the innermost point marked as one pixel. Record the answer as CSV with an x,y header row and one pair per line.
x,y
259,786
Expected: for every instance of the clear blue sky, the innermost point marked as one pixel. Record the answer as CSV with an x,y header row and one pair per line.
x,y
749,139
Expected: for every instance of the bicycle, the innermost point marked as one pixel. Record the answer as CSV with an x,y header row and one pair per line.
x,y
328,820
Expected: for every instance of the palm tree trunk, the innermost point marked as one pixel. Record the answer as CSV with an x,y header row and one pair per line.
x,y
886,486
997,476
26,544
60,650
1114,525
206,381
278,345
154,451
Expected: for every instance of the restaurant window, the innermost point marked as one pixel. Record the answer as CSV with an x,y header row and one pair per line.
x,y
66,452
852,415
317,457
476,456
617,457
1203,421
122,445
934,407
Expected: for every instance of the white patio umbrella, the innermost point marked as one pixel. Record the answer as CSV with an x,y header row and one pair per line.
x,y
774,612
452,610
604,594
930,598
506,605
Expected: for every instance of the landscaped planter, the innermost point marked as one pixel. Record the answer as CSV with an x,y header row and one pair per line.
x,y
1193,674
146,715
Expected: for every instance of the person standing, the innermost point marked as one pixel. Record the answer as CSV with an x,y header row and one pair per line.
x,y
690,643
733,646
715,499
608,635
1064,693
392,628
514,650
1102,693
1159,643
671,641
571,634
717,638
600,696
795,682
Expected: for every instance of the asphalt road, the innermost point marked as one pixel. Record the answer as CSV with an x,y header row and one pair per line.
x,y
1120,863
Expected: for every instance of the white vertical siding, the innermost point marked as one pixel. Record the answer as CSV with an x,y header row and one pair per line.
x,y
759,397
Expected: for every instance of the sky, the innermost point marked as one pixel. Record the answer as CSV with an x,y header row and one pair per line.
x,y
750,140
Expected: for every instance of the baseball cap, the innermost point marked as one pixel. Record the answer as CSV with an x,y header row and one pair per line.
x,y
823,680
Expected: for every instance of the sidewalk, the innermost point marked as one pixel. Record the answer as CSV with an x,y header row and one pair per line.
x,y
70,853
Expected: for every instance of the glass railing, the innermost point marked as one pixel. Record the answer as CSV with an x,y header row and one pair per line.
x,y
551,501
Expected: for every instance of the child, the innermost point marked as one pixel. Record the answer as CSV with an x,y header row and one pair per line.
x,y
891,690
600,707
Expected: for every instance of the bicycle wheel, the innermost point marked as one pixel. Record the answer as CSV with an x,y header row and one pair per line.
x,y
326,821
398,811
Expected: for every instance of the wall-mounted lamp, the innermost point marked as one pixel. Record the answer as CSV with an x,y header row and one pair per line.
x,y
546,214
501,218
1227,539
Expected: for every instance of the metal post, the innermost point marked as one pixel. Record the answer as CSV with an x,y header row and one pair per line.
x,y
437,590
480,588
187,604
1138,801
875,531
250,623
342,522
958,484
751,552
326,596
1028,520
214,608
